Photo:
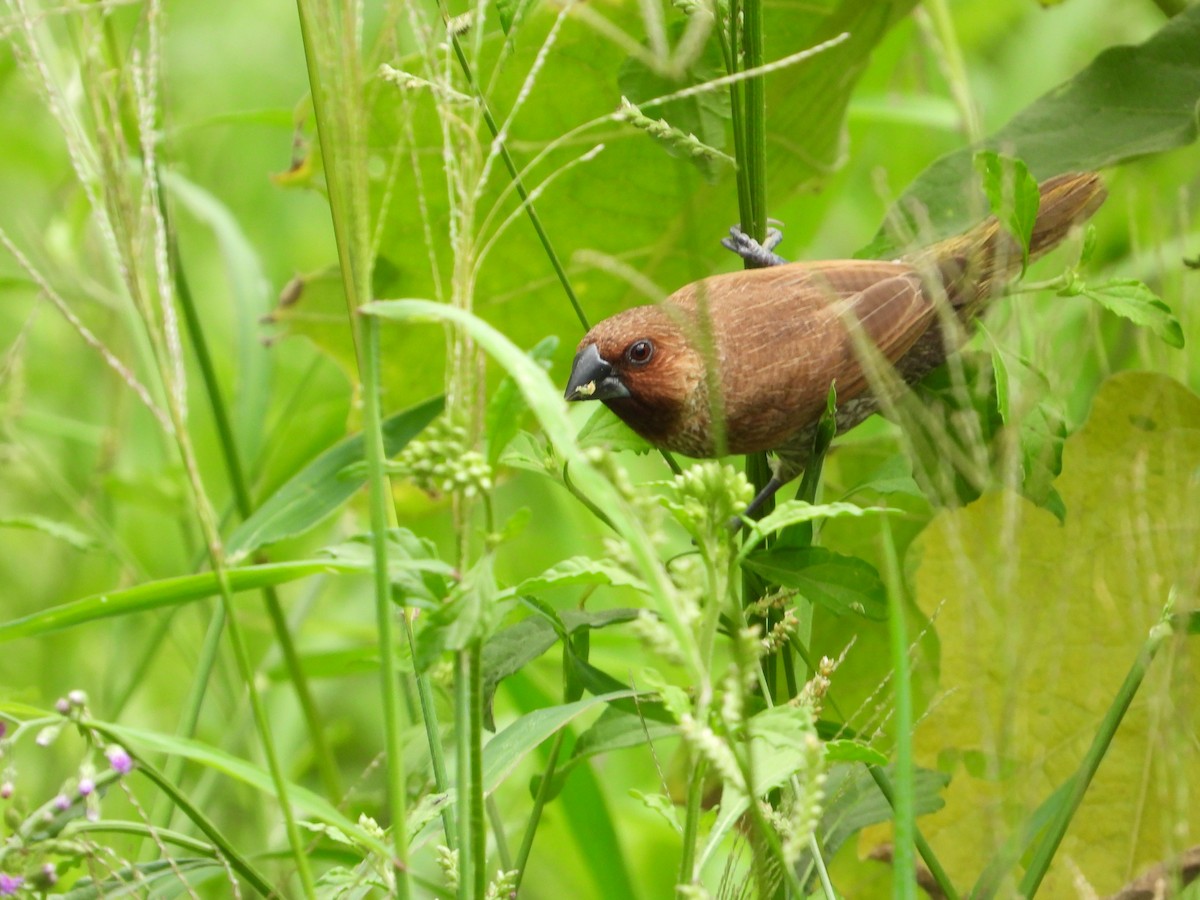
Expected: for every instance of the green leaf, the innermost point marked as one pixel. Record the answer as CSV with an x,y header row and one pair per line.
x,y
505,751
469,615
605,430
502,420
248,301
579,570
148,879
840,583
142,742
794,512
853,751
511,649
509,11
68,534
1133,300
856,802
165,593
417,576
1012,195
704,114
1129,102
322,486
616,729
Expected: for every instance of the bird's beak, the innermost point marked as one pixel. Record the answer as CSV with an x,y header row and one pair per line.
x,y
593,378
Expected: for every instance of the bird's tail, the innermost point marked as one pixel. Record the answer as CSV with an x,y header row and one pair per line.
x,y
978,262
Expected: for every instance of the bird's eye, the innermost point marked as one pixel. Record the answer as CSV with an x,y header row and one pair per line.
x,y
639,352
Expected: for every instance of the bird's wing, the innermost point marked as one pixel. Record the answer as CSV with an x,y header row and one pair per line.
x,y
785,333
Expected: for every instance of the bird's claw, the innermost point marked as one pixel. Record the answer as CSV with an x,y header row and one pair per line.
x,y
759,256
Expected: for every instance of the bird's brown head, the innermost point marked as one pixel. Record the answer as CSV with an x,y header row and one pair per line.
x,y
643,366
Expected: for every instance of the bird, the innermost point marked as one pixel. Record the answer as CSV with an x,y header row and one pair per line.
x,y
743,362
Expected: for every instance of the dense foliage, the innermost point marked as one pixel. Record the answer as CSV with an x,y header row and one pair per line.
x,y
315,586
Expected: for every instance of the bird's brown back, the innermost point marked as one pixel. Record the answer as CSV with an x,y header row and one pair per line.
x,y
783,333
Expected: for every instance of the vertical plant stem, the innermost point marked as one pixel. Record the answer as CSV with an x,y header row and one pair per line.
x,y
462,772
246,670
697,769
539,803
755,120
478,822
904,878
441,778
379,489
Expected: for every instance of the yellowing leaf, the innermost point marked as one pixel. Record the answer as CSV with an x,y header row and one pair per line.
x,y
1039,623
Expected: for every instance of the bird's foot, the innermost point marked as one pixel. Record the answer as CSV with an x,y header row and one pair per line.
x,y
759,256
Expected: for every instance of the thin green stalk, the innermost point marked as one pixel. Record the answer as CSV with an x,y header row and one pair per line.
x,y
190,714
1044,853
755,120
236,861
930,858
326,767
526,201
441,779
539,803
478,822
462,772
379,491
904,871
691,822
814,847
496,820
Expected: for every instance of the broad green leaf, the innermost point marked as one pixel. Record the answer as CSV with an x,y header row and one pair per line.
x,y
1012,195
165,593
150,879
508,11
61,531
793,512
840,583
1038,622
1129,102
469,615
506,408
703,116
579,570
418,577
505,751
605,430
853,751
512,648
1134,301
783,745
854,802
616,729
322,486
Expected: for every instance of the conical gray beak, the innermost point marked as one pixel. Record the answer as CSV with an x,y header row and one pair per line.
x,y
593,378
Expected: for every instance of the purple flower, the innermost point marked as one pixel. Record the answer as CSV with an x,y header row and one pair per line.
x,y
63,705
86,786
10,884
119,759
49,875
3,729
62,802
6,790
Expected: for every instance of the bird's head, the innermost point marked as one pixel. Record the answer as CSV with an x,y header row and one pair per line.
x,y
643,366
